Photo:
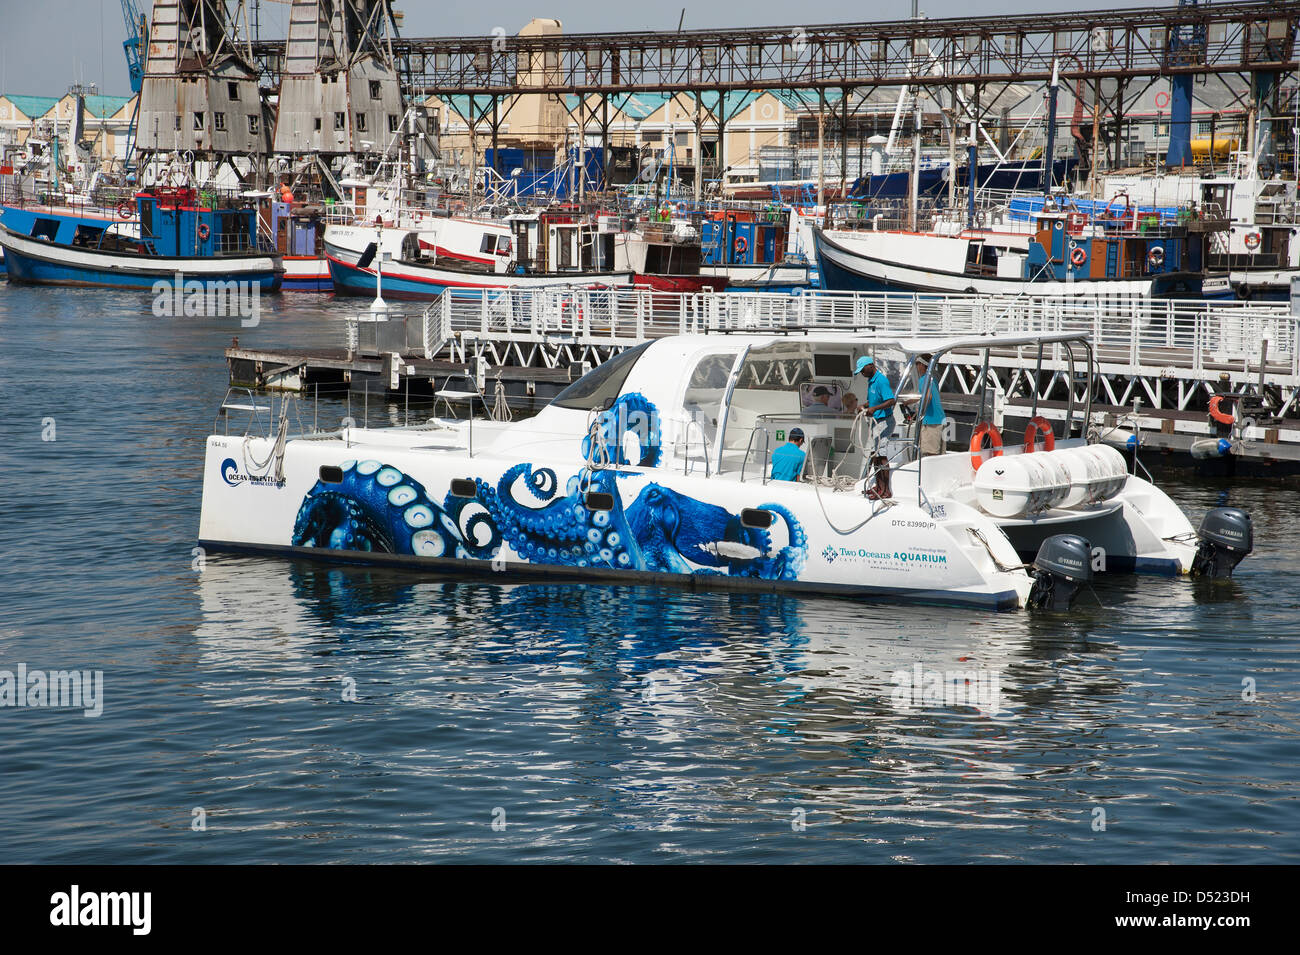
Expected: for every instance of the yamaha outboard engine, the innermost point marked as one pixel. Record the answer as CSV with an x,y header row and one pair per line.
x,y
1226,537
1062,567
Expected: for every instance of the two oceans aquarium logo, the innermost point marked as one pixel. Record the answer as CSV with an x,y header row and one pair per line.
x,y
177,298
231,474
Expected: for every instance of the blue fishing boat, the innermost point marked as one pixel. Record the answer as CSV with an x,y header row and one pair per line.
x,y
169,232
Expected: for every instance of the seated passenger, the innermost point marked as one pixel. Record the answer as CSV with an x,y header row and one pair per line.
x,y
821,402
787,460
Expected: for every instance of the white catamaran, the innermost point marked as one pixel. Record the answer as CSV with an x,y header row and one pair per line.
x,y
655,468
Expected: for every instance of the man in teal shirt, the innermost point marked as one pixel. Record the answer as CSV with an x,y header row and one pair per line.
x,y
931,409
787,460
880,397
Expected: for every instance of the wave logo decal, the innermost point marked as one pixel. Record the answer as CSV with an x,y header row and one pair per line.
x,y
231,474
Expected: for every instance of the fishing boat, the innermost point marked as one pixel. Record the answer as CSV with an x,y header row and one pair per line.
x,y
174,233
555,247
750,250
655,468
665,256
1064,252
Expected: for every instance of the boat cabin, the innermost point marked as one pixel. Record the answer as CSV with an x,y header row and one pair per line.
x,y
560,240
720,405
733,237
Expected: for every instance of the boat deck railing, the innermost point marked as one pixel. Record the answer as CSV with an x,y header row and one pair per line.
x,y
1130,334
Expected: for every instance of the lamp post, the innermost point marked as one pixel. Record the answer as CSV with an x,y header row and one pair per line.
x,y
377,307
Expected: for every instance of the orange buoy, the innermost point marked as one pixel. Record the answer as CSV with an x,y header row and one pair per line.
x,y
1217,412
977,443
1036,424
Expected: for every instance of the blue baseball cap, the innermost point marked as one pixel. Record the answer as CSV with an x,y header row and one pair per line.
x,y
796,433
863,362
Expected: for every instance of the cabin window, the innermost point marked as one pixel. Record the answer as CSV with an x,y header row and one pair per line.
x,y
45,229
600,386
463,487
253,124
317,124
198,120
87,236
219,121
503,245
756,517
178,121
599,501
374,89
340,121
392,123
361,122
331,474
488,245
232,91
706,388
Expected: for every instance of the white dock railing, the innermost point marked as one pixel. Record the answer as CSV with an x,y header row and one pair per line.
x,y
1144,334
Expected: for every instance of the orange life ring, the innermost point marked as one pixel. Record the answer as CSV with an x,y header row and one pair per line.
x,y
125,210
1036,424
1078,256
204,231
741,245
1216,411
977,443
1252,240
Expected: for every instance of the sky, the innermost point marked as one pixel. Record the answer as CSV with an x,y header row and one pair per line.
x,y
47,45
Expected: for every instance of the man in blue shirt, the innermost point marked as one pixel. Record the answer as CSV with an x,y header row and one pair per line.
x,y
880,397
787,460
931,409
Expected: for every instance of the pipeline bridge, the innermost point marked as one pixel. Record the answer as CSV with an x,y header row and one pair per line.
x,y
1123,44
964,65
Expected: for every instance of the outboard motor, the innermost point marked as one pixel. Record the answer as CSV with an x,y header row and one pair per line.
x,y
1063,565
1226,537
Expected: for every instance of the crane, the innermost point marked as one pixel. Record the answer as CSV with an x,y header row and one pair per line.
x,y
137,32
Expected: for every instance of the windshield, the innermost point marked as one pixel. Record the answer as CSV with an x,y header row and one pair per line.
x,y
602,384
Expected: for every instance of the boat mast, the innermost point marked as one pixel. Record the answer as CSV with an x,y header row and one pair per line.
x,y
1051,129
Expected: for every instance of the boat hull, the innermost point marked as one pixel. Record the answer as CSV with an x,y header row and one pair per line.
x,y
681,283
844,268
385,503
34,262
307,273
405,280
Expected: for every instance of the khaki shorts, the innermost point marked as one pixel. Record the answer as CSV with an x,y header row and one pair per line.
x,y
931,439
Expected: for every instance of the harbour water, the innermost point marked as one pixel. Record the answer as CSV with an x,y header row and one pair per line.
x,y
261,710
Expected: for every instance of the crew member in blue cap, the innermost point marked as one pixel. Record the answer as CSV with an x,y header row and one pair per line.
x,y
880,397
787,460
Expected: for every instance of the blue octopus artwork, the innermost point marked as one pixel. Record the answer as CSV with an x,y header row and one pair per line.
x,y
662,530
378,508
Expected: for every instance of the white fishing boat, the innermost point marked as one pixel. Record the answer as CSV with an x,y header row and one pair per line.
x,y
655,468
